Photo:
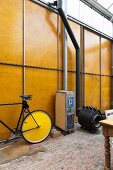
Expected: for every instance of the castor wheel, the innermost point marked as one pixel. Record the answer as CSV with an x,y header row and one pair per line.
x,y
64,133
82,127
69,132
72,131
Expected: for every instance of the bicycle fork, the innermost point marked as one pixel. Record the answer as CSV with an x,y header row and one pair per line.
x,y
34,121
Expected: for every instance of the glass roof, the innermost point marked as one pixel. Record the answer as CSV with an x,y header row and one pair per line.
x,y
108,4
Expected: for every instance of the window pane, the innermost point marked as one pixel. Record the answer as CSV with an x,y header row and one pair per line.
x,y
108,27
73,8
85,14
97,21
111,9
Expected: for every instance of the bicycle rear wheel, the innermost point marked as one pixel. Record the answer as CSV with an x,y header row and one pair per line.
x,y
36,126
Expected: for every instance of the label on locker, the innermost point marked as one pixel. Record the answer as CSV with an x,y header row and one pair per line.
x,y
70,104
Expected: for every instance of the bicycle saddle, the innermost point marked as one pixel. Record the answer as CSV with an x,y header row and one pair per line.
x,y
26,97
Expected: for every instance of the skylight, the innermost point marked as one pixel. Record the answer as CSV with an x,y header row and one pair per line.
x,y
96,14
111,8
108,4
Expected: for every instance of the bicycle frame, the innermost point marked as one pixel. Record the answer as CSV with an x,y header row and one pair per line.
x,y
29,123
25,107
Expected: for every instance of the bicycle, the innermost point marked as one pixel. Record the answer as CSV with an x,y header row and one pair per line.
x,y
36,125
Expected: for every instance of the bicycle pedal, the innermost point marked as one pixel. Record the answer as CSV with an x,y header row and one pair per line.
x,y
11,135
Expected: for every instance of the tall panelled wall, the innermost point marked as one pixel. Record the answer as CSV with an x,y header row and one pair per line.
x,y
28,35
97,66
11,51
31,61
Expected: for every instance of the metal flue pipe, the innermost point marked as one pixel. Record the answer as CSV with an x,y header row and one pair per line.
x,y
65,65
73,39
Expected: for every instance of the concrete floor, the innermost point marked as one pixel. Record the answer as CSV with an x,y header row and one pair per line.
x,y
80,150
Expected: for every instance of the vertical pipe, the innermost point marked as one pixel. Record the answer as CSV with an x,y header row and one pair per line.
x,y
65,81
82,65
24,47
68,28
58,51
100,75
63,4
112,72
112,79
77,79
73,39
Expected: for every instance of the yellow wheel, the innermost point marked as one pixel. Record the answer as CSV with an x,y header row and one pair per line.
x,y
36,126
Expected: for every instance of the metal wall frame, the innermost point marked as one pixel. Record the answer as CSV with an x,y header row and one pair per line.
x,y
112,80
45,5
24,46
58,69
101,75
82,65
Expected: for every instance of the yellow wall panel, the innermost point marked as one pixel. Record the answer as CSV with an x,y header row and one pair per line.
x,y
42,84
92,91
60,42
59,80
41,36
106,93
10,83
92,52
10,90
71,50
11,31
71,81
9,115
106,53
41,50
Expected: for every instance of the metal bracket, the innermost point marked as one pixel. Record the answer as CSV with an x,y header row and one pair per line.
x,y
57,3
53,3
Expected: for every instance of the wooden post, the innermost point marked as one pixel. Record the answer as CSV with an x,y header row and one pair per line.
x,y
107,154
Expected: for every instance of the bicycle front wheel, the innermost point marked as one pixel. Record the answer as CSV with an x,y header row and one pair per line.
x,y
36,126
